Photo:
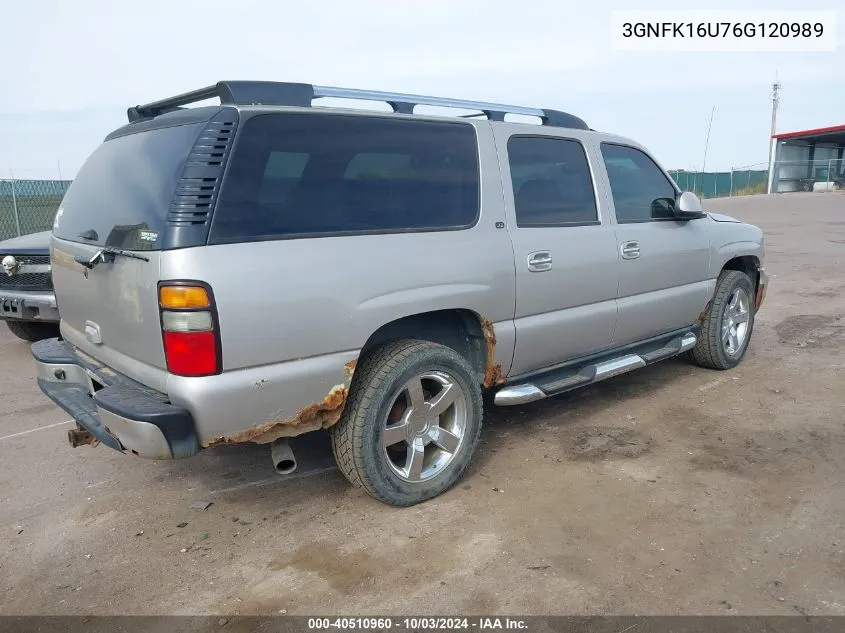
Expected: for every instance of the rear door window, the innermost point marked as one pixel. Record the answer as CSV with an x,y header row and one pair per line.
x,y
122,194
298,174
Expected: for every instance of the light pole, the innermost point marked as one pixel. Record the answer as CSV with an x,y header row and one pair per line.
x,y
775,101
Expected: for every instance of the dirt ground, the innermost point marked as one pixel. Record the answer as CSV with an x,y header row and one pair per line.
x,y
670,490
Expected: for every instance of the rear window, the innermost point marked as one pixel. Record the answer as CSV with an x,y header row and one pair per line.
x,y
317,174
122,193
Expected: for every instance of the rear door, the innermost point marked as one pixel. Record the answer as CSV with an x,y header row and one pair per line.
x,y
120,199
665,264
565,251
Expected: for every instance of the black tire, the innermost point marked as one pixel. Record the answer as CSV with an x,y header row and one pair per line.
x,y
710,351
357,438
33,330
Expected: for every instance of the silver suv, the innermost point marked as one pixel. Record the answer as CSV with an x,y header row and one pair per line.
x,y
258,269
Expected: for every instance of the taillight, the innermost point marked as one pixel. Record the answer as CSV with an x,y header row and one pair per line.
x,y
179,297
188,326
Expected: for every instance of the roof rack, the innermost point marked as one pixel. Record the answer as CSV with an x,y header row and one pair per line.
x,y
298,94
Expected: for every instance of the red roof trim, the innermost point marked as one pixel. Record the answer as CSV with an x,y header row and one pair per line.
x,y
813,132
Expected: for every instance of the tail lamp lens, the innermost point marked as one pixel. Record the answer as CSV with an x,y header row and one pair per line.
x,y
191,353
181,297
186,321
190,342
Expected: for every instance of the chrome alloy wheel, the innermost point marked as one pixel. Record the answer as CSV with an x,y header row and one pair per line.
x,y
735,322
425,426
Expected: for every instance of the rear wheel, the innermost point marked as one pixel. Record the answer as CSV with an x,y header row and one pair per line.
x,y
727,326
411,424
33,330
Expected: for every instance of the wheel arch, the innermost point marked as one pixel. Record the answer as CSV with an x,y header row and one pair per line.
x,y
748,264
465,331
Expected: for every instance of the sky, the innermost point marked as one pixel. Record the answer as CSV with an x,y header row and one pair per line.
x,y
72,68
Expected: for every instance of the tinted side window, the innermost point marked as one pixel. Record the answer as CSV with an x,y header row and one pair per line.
x,y
551,180
641,191
368,165
308,173
281,174
121,195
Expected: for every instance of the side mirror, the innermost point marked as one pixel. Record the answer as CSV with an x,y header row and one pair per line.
x,y
688,207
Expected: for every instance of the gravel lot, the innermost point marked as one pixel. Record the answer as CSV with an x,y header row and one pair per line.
x,y
669,490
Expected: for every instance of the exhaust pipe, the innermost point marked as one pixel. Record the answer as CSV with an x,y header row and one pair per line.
x,y
282,455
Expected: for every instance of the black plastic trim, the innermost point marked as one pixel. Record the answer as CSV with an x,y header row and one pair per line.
x,y
188,222
562,225
175,423
303,236
173,119
648,220
556,118
230,93
76,401
120,395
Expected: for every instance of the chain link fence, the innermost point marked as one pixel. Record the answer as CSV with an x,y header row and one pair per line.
x,y
29,206
739,181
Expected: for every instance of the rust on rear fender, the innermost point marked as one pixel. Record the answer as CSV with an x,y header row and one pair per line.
x,y
493,374
327,412
318,415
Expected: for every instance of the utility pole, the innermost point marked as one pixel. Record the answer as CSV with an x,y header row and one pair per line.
x,y
775,101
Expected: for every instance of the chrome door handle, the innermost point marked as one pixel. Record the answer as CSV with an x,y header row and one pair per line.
x,y
630,250
539,261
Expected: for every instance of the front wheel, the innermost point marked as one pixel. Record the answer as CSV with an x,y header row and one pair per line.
x,y
411,424
727,326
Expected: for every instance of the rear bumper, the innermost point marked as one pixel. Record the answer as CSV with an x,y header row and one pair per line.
x,y
117,411
28,305
762,286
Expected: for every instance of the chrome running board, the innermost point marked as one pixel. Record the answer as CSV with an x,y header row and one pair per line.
x,y
570,377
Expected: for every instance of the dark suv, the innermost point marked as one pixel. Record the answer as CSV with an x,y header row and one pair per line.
x,y
27,302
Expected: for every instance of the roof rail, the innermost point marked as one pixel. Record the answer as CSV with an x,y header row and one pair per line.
x,y
298,94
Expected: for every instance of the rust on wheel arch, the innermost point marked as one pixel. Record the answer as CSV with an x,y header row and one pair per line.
x,y
349,367
493,371
703,315
318,415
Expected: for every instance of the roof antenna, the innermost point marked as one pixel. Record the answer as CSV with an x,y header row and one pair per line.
x,y
706,144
